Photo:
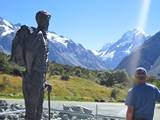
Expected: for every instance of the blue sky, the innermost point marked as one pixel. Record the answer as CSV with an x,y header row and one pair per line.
x,y
92,23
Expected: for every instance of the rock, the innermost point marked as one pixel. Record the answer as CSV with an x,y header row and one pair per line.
x,y
2,117
3,105
13,117
16,107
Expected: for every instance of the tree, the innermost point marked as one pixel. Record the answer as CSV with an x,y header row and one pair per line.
x,y
106,78
120,76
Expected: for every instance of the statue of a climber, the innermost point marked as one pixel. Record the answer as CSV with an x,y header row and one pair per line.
x,y
30,49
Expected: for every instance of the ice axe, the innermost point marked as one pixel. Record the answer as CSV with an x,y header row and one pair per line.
x,y
49,89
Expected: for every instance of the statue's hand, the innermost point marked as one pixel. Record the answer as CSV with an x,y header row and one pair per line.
x,y
17,72
48,87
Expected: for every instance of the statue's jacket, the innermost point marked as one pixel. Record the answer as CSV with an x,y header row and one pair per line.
x,y
30,49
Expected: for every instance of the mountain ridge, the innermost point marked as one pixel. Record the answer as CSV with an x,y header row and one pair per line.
x,y
61,50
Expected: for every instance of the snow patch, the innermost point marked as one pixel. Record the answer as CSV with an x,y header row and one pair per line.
x,y
129,50
109,55
95,52
7,23
56,38
6,31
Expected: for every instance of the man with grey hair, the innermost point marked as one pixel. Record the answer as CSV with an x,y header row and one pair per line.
x,y
30,49
141,98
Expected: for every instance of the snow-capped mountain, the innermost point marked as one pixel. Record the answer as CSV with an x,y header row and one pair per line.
x,y
129,41
65,51
5,27
7,32
148,57
61,50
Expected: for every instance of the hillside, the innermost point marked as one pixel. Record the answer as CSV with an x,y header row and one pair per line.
x,y
78,89
69,83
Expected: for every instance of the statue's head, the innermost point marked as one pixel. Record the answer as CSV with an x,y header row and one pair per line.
x,y
42,18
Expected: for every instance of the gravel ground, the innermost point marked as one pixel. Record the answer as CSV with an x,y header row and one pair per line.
x,y
6,107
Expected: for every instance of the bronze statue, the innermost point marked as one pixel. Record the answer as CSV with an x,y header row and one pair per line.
x,y
30,49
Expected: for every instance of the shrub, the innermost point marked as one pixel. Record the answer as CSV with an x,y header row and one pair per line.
x,y
65,77
114,93
78,72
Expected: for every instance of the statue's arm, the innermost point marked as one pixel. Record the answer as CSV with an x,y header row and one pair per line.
x,y
41,47
40,60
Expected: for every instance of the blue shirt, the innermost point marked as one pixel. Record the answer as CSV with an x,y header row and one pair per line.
x,y
142,98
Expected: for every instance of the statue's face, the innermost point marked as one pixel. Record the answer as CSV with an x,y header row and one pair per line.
x,y
43,22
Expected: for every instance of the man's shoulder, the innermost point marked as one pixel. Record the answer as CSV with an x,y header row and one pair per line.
x,y
150,85
131,90
141,87
134,88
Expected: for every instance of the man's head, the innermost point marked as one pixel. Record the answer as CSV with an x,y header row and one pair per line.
x,y
141,75
42,18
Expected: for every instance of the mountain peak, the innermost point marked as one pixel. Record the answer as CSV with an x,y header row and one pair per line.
x,y
129,41
5,27
138,30
5,22
134,33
